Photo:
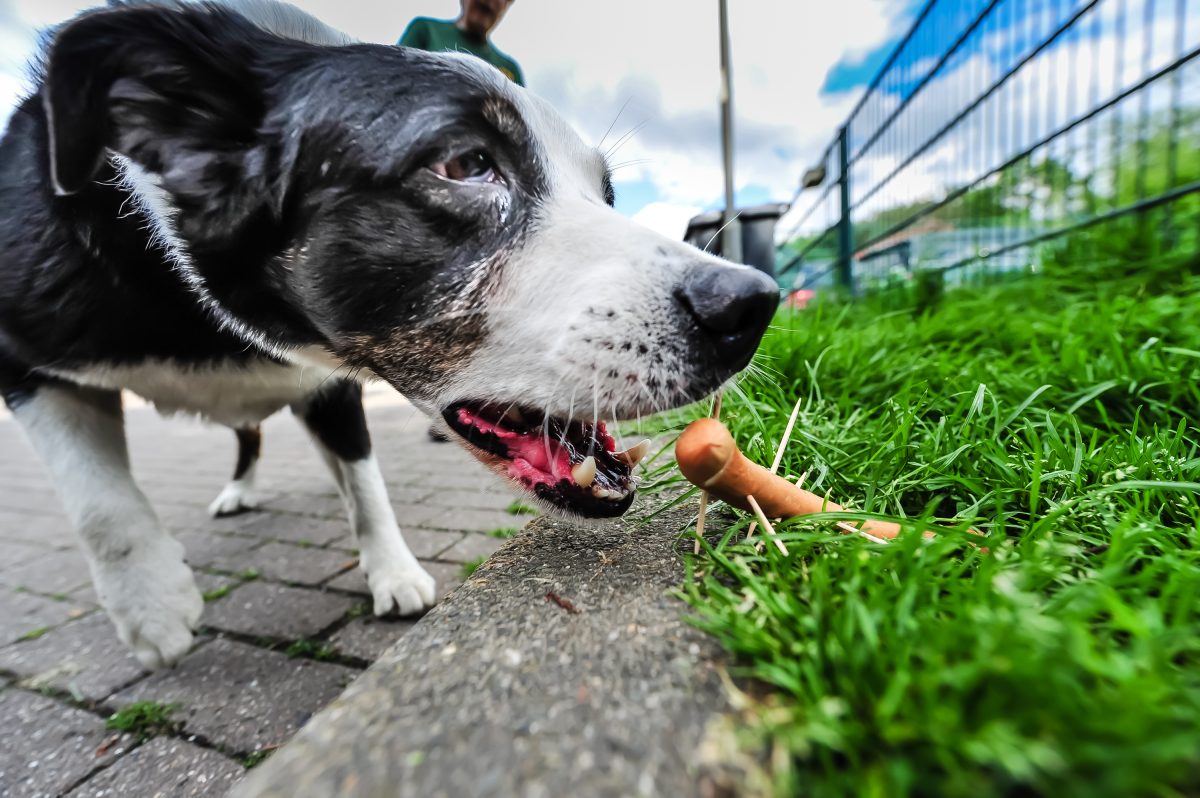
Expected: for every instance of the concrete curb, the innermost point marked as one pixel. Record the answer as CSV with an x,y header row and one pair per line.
x,y
502,691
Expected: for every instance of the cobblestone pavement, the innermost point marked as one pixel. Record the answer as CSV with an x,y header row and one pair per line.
x,y
287,621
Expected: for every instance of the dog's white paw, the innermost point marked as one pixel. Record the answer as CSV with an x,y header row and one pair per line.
x,y
236,497
152,599
403,587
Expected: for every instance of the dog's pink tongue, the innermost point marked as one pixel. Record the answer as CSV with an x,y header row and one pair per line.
x,y
534,455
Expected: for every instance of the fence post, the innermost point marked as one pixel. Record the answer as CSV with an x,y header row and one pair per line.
x,y
845,263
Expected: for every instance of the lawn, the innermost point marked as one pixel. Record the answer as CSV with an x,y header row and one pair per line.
x,y
1058,415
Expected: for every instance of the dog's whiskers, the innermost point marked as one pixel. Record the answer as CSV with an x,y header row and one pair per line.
x,y
549,399
625,138
570,414
721,230
634,162
616,119
595,412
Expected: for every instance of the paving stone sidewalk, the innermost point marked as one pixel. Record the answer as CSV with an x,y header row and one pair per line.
x,y
287,623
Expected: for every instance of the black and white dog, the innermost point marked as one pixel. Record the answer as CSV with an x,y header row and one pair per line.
x,y
231,209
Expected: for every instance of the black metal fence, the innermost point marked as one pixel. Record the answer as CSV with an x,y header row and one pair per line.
x,y
999,131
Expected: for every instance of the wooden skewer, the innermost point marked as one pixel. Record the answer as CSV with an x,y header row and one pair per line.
x,y
700,521
787,437
767,528
783,442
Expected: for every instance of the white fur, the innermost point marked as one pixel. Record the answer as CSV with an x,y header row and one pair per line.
x,y
137,568
616,266
396,579
238,495
231,394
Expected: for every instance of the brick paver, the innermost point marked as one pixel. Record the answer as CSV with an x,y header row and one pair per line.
x,y
288,562
473,546
366,638
53,573
206,549
77,658
272,577
239,697
24,614
468,519
164,768
47,746
277,522
276,611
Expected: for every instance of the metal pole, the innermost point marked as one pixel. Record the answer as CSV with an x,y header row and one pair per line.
x,y
731,237
845,263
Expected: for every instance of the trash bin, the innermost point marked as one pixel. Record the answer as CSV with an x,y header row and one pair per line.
x,y
758,234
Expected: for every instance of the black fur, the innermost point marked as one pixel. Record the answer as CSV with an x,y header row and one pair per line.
x,y
249,448
335,415
298,175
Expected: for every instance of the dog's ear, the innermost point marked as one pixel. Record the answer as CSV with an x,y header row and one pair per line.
x,y
163,86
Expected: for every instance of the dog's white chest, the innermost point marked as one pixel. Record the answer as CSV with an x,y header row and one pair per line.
x,y
233,394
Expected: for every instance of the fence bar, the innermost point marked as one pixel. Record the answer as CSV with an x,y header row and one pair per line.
x,y
932,208
998,126
1137,207
845,234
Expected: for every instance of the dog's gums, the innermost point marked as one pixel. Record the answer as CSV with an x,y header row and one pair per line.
x,y
568,463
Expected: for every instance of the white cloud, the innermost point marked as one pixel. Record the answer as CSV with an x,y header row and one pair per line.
x,y
667,218
660,61
660,57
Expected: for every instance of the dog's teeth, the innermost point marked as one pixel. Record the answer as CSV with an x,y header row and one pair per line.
x,y
634,454
584,473
607,493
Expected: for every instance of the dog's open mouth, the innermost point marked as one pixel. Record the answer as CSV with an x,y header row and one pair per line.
x,y
568,463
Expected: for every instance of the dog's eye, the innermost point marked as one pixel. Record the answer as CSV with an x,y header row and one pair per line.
x,y
470,167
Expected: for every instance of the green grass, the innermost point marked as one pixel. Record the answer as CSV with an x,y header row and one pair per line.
x,y
34,634
504,532
470,566
217,593
255,758
310,649
520,508
143,719
1058,416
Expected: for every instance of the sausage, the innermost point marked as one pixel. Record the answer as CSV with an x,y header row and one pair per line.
x,y
710,459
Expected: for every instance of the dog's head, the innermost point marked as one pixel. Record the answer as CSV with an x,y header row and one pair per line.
x,y
410,214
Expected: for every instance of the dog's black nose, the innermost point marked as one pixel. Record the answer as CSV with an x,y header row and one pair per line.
x,y
733,308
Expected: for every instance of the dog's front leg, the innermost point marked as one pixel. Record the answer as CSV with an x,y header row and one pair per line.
x,y
334,418
137,568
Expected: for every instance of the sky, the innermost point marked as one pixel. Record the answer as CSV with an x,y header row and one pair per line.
x,y
642,75
1015,84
